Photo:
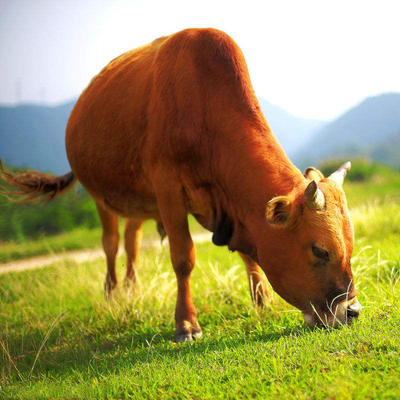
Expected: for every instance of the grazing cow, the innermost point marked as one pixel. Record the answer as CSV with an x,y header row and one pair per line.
x,y
174,127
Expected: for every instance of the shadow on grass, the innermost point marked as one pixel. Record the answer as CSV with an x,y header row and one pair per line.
x,y
111,348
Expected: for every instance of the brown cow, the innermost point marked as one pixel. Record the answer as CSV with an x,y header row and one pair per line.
x,y
173,128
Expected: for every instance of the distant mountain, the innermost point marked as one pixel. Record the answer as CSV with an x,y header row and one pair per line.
x,y
33,136
370,129
387,152
292,132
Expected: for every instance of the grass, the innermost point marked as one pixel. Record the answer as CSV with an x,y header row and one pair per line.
x,y
359,193
80,238
59,337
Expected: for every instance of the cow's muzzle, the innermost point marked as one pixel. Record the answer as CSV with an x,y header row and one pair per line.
x,y
343,313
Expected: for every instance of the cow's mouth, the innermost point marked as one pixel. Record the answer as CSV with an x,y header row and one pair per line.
x,y
341,314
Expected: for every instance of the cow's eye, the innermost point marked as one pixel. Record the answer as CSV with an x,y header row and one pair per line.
x,y
320,253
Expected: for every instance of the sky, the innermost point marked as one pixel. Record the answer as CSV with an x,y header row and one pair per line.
x,y
313,58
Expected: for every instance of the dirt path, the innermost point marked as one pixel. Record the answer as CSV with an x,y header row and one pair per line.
x,y
81,256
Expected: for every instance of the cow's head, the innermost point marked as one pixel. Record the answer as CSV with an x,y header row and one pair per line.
x,y
308,258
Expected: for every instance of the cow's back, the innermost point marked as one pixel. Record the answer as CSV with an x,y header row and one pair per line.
x,y
106,132
166,103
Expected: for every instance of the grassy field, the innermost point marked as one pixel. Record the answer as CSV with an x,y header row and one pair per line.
x,y
80,238
59,337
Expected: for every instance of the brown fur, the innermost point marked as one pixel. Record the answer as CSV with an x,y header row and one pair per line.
x,y
174,127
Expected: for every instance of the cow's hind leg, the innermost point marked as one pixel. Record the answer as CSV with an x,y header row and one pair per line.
x,y
173,211
257,281
110,238
133,237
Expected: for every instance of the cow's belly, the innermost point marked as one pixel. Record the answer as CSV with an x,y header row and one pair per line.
x,y
127,195
132,205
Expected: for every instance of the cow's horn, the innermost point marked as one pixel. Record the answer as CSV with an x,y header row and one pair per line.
x,y
341,173
314,198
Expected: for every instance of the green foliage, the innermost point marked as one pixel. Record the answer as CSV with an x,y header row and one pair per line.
x,y
362,169
20,222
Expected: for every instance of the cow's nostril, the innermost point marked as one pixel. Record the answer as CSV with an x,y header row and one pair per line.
x,y
352,313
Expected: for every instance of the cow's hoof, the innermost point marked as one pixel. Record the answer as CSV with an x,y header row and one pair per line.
x,y
188,337
197,335
132,287
109,290
183,337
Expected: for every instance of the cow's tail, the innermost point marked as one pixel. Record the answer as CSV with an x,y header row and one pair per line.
x,y
33,185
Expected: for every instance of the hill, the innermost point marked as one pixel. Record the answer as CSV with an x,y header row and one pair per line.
x,y
33,136
387,152
292,132
370,129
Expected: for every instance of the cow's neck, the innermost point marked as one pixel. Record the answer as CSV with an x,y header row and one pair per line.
x,y
252,170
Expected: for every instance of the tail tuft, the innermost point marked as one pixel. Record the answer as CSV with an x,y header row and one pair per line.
x,y
34,185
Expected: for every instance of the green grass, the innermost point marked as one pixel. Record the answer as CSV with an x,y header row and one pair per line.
x,y
61,339
375,191
80,238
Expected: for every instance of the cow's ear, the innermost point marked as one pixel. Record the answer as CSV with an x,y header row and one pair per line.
x,y
313,174
223,231
279,212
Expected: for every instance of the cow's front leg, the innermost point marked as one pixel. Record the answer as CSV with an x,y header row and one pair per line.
x,y
183,255
173,212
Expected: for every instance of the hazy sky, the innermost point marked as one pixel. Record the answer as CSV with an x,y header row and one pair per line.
x,y
314,58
